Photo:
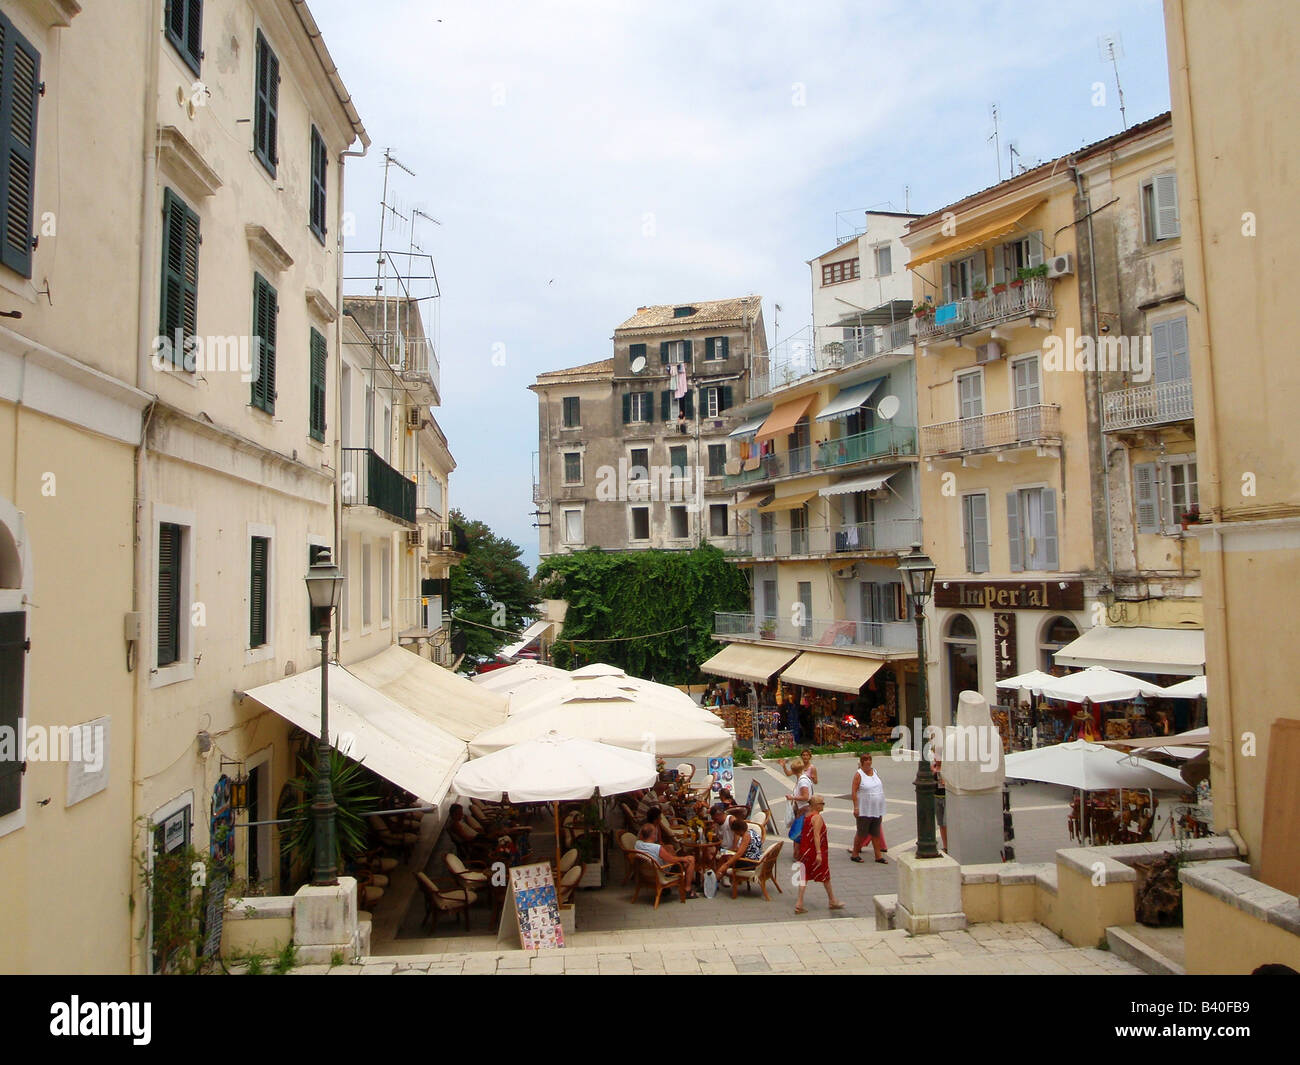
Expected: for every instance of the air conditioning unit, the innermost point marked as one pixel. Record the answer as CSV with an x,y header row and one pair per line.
x,y
448,539
990,352
1060,265
413,538
414,418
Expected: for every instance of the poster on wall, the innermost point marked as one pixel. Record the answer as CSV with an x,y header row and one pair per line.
x,y
532,908
722,775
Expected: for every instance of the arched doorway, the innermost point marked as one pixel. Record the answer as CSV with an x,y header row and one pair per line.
x,y
961,643
1057,632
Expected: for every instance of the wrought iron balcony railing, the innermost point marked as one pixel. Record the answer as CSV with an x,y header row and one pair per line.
x,y
1157,403
1039,424
367,480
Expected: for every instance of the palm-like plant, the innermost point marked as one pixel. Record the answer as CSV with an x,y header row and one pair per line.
x,y
355,797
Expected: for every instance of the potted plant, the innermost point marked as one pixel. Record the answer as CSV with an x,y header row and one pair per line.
x,y
999,288
1191,516
980,291
768,629
922,310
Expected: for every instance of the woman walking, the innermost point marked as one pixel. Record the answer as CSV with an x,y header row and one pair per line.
x,y
868,795
814,857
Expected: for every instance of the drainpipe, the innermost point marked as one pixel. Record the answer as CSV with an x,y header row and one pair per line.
x,y
144,337
1207,431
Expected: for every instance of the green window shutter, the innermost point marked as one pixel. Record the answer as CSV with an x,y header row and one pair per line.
x,y
1013,531
180,277
20,86
169,593
710,350
318,358
185,30
258,568
726,347
1145,497
663,353
264,320
13,654
266,105
665,405
724,398
627,407
319,166
690,403
686,352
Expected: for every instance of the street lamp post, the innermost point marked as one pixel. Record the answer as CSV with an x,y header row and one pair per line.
x,y
918,574
324,583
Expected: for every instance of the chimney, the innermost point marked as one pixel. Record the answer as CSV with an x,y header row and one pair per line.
x,y
642,310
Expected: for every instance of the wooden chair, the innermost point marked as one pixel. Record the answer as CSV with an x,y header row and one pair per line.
x,y
760,872
438,899
568,884
398,839
656,878
472,877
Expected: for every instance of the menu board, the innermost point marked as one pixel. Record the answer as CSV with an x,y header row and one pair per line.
x,y
533,907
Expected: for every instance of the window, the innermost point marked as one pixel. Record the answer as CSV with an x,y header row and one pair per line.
x,y
265,311
385,581
677,460
670,408
1056,634
713,401
805,602
683,312
1163,492
961,278
178,320
366,612
185,30
883,259
573,526
171,596
317,412
1031,529
679,527
718,519
716,348
717,460
769,599
844,270
1160,208
13,655
266,105
572,412
1016,255
639,464
799,530
1182,493
259,573
672,352
975,531
20,88
637,407
640,523
319,169
573,467
344,552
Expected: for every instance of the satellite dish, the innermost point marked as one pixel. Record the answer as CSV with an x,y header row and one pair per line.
x,y
638,364
888,407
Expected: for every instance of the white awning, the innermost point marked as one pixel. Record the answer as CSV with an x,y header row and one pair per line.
x,y
453,703
857,484
849,399
530,634
837,673
1138,650
748,428
369,727
743,661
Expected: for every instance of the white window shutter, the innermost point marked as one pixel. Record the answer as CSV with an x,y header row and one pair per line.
x,y
1166,203
1145,497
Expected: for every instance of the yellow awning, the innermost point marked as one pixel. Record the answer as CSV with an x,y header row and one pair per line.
x,y
787,502
970,234
837,673
743,661
783,418
750,501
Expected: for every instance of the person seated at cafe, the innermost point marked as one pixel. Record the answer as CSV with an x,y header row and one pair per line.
x,y
747,845
665,856
655,821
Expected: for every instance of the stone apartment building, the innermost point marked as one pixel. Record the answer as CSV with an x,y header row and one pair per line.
x,y
624,463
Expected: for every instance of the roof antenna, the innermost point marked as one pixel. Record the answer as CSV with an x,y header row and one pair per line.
x,y
1013,153
997,152
1112,48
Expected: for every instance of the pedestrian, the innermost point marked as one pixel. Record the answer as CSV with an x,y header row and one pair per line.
x,y
814,858
940,804
803,789
793,770
868,794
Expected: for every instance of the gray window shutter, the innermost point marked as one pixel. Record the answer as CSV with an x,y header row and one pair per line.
x,y
979,275
1166,203
1013,531
1036,248
710,351
1160,351
1145,497
1000,265
1180,364
979,533
690,403
724,399
1051,555
947,282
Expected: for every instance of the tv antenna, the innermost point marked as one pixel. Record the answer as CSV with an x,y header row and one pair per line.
x,y
1111,47
997,152
1013,153
381,261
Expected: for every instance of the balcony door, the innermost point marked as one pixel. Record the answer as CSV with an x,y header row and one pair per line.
x,y
970,409
767,535
799,444
799,530
1028,390
805,602
1171,366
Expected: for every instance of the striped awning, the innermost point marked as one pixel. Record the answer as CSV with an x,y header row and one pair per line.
x,y
969,234
748,428
849,400
787,502
858,484
836,673
784,418
743,661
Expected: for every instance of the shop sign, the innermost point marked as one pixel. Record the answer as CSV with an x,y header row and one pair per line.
x,y
1010,595
1004,645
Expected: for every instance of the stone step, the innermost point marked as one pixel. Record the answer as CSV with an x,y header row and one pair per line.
x,y
1128,942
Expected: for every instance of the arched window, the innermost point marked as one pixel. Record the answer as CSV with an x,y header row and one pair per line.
x,y
1057,632
961,652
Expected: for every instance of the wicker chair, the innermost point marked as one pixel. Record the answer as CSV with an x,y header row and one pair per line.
x,y
627,844
568,884
656,877
439,899
760,872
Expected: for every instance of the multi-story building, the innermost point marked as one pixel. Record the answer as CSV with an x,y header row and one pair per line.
x,y
625,462
825,467
1056,462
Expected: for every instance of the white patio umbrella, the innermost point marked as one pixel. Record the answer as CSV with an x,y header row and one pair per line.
x,y
510,677
1034,680
1182,745
1091,767
1192,688
555,768
1097,684
552,690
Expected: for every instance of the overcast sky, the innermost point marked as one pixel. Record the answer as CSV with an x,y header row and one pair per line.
x,y
586,158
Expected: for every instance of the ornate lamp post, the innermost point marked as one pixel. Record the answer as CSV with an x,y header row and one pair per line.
x,y
324,584
918,577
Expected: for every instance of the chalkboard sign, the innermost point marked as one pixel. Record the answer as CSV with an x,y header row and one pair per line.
x,y
216,913
533,908
756,796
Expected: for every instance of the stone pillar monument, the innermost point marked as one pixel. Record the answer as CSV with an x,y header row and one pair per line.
x,y
973,771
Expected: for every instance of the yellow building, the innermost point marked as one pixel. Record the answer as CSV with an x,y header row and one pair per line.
x,y
1046,442
1231,84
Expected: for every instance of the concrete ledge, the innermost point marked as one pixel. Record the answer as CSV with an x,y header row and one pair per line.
x,y
980,874
259,925
886,906
1124,945
1241,892
1083,860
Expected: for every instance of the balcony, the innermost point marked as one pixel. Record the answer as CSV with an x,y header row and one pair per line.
x,y
889,536
1031,299
882,637
368,481
428,499
880,442
802,356
1157,403
419,618
1038,426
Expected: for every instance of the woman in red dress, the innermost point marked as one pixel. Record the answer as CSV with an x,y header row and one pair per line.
x,y
814,856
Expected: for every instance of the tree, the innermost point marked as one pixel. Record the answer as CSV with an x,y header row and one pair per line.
x,y
491,587
635,593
